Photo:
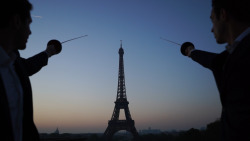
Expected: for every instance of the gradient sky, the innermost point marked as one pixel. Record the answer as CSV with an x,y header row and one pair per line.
x,y
77,89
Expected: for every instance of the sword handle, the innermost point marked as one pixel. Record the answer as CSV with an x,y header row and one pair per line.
x,y
184,46
57,45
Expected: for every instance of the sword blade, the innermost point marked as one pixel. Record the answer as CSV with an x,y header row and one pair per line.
x,y
170,41
73,39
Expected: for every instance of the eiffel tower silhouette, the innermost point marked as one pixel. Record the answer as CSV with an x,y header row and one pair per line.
x,y
121,102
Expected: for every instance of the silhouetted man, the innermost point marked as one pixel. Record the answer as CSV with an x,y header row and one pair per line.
x,y
16,108
231,68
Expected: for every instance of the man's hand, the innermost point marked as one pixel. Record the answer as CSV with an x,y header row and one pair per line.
x,y
188,50
50,50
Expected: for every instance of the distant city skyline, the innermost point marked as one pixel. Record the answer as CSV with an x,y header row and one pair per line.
x,y
77,89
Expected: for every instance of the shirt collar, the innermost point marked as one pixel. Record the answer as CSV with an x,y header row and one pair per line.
x,y
5,59
230,48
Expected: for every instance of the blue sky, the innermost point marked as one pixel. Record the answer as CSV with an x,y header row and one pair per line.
x,y
77,89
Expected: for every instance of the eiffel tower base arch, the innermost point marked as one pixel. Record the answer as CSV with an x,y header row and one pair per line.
x,y
115,126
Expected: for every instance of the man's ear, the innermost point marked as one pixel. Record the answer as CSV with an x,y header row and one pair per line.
x,y
16,22
223,15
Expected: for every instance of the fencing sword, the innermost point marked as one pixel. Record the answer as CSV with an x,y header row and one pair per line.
x,y
58,45
184,46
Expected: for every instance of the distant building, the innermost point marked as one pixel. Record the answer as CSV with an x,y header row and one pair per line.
x,y
57,131
149,131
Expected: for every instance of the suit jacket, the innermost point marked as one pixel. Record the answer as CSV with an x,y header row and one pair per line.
x,y
232,75
24,68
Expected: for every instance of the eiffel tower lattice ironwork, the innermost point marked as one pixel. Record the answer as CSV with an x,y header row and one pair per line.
x,y
121,102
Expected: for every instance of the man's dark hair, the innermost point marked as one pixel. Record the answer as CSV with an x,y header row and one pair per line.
x,y
10,8
238,9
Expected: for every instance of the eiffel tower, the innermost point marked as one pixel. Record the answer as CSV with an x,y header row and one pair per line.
x,y
121,102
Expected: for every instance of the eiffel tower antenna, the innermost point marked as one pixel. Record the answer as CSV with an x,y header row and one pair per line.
x,y
115,124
